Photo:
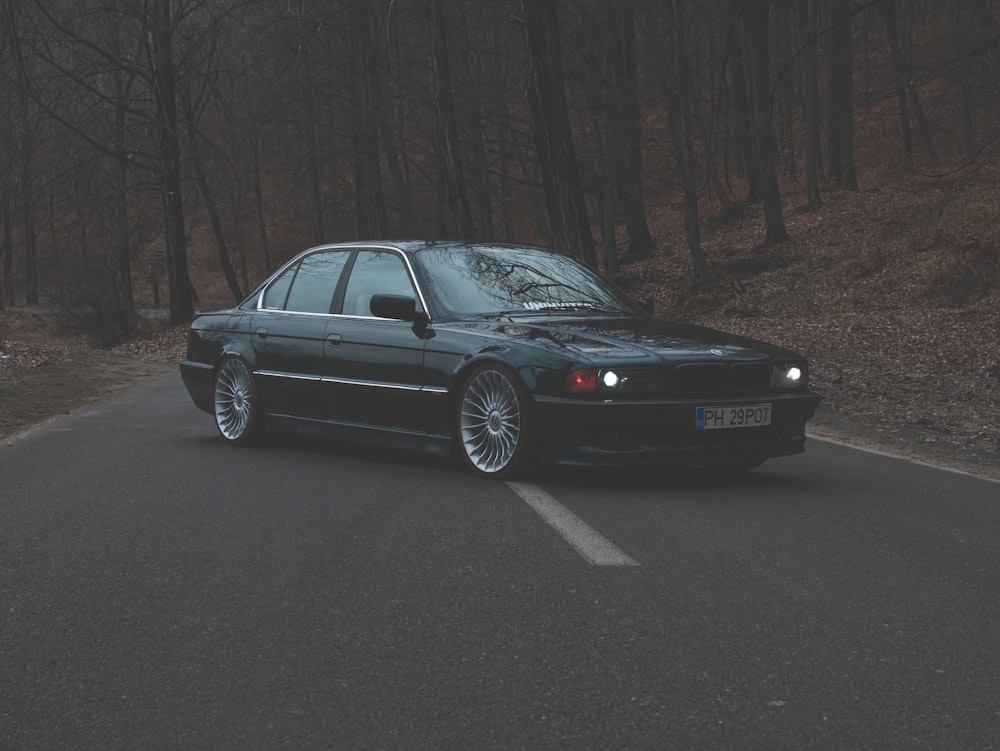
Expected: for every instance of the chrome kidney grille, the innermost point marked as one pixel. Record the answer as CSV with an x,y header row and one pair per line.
x,y
721,378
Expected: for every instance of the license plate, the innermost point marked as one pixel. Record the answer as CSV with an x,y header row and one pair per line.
x,y
745,416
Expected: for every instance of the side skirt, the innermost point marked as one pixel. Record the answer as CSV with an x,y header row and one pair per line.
x,y
368,435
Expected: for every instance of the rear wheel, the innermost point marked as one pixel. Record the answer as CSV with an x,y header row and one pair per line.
x,y
237,407
494,422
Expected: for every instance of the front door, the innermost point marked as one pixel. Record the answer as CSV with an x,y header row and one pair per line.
x,y
373,367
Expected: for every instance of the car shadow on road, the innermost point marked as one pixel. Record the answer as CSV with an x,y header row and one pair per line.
x,y
609,478
680,478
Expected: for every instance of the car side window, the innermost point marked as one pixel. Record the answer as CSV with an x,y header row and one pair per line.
x,y
277,293
375,273
315,282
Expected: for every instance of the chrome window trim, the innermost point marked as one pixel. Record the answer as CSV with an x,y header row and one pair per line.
x,y
294,313
352,317
347,247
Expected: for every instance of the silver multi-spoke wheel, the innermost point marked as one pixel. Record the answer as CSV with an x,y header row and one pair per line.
x,y
492,421
235,406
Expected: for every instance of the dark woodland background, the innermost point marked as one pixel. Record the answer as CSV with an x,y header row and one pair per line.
x,y
170,153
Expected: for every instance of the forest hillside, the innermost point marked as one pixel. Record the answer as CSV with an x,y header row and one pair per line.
x,y
823,173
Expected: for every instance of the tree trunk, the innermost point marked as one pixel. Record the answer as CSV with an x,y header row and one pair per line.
x,y
370,206
753,35
475,121
744,138
458,195
841,97
123,253
201,178
677,86
571,233
902,81
181,292
25,145
810,11
786,90
312,140
866,58
716,73
923,128
27,190
501,122
236,210
258,193
6,244
960,43
393,154
607,201
626,162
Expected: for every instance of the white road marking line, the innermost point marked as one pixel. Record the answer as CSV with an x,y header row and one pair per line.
x,y
597,550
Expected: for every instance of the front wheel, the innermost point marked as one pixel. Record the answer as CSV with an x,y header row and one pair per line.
x,y
237,408
494,422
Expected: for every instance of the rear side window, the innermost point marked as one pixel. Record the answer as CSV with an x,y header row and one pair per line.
x,y
277,293
315,282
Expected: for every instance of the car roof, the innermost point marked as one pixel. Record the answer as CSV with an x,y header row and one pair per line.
x,y
413,246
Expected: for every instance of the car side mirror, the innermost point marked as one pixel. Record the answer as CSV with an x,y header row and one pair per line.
x,y
647,304
400,307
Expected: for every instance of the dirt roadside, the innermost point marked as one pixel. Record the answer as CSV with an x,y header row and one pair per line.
x,y
46,372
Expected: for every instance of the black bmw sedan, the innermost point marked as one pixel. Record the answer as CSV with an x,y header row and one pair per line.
x,y
503,355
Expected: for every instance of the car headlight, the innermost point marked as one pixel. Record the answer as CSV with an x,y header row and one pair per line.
x,y
789,375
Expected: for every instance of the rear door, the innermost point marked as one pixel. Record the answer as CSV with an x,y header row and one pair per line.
x,y
288,333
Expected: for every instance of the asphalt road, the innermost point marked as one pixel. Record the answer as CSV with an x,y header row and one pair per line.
x,y
159,589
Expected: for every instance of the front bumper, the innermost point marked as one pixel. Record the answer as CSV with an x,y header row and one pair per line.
x,y
663,432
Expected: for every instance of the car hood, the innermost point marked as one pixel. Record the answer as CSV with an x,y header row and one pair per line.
x,y
627,338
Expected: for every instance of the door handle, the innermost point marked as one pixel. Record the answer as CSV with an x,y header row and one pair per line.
x,y
262,333
334,339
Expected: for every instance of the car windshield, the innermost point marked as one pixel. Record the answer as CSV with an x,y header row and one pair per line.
x,y
486,280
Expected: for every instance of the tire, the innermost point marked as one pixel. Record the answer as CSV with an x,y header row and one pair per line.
x,y
494,422
237,407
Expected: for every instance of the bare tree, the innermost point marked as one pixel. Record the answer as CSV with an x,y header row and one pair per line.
x,y
6,245
752,32
676,80
26,147
840,88
458,195
570,226
188,107
960,42
388,98
810,12
624,117
369,200
906,87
